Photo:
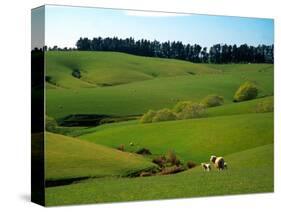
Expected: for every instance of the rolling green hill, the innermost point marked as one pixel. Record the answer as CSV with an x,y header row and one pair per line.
x,y
118,84
194,139
238,108
68,158
250,171
112,68
139,95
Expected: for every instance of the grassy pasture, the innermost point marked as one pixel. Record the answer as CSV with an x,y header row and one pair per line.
x,y
194,139
68,157
250,171
137,98
237,108
112,68
121,84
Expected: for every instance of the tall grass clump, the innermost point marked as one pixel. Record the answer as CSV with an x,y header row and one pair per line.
x,y
247,91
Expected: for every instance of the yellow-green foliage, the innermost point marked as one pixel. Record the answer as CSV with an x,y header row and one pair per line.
x,y
164,115
212,101
182,110
172,158
188,109
147,117
51,123
246,91
265,106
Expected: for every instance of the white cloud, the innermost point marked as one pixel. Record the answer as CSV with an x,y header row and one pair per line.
x,y
153,14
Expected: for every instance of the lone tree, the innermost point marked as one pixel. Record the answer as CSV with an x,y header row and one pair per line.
x,y
246,91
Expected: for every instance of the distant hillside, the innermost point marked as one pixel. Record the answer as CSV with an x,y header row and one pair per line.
x,y
112,68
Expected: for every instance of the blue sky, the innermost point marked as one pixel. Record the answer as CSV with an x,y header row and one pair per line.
x,y
65,25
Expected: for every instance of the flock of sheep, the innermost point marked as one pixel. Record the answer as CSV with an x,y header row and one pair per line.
x,y
218,162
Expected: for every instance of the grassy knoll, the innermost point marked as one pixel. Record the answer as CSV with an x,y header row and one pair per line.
x,y
250,171
238,108
193,139
137,98
112,68
224,110
72,158
122,84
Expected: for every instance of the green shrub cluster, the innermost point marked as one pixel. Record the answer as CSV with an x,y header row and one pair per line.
x,y
164,115
188,109
265,106
246,91
51,124
212,101
147,117
182,110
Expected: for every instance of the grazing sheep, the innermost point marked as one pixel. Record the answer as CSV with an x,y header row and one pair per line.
x,y
131,144
225,165
206,166
218,162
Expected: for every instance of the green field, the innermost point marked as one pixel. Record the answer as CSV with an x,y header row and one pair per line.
x,y
137,96
122,85
251,172
223,135
69,158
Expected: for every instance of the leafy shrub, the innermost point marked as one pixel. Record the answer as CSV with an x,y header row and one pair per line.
x,y
265,106
51,124
121,147
143,151
246,91
188,109
76,73
212,101
147,117
164,115
190,164
160,161
172,158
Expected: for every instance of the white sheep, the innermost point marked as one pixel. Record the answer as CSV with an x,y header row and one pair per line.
x,y
206,166
225,165
218,162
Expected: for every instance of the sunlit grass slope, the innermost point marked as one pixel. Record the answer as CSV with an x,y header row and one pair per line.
x,y
250,171
194,139
112,68
138,97
72,158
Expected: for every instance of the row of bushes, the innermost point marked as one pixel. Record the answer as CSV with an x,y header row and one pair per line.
x,y
188,109
182,110
168,164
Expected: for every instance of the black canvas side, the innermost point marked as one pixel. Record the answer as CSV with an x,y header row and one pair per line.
x,y
37,107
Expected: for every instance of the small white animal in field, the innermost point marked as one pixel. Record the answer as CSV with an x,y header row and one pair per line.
x,y
131,144
225,165
206,166
218,162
